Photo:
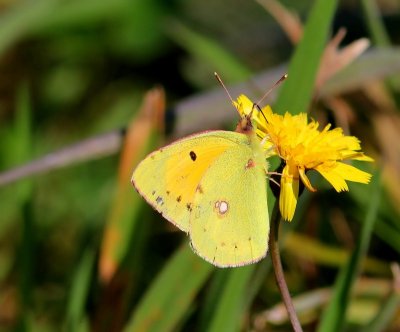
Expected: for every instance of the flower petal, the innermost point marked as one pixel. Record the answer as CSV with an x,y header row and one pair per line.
x,y
352,173
289,192
333,177
339,172
363,157
244,105
306,180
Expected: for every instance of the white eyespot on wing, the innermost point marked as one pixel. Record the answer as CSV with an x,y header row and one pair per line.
x,y
221,207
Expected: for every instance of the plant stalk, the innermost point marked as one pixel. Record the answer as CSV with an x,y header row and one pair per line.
x,y
277,264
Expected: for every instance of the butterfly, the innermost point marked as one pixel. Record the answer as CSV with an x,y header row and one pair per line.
x,y
212,185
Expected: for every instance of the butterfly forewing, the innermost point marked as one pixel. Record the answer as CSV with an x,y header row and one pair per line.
x,y
169,177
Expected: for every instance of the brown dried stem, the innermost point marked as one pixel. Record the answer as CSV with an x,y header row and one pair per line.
x,y
277,264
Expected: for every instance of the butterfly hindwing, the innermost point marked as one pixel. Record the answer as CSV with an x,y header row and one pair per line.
x,y
229,225
169,177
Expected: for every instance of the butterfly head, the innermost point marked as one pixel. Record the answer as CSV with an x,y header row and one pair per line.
x,y
245,125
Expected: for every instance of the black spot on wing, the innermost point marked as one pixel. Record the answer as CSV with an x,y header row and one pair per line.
x,y
192,155
160,200
179,198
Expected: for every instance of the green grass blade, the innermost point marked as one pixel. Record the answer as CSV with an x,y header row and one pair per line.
x,y
75,315
27,17
380,37
21,143
17,22
334,316
296,93
208,51
385,314
302,246
388,234
375,23
241,287
21,150
211,300
229,311
258,278
170,296
388,227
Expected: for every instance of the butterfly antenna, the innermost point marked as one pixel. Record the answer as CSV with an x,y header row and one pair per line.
x,y
284,77
223,85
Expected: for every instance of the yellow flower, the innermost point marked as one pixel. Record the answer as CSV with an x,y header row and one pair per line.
x,y
303,147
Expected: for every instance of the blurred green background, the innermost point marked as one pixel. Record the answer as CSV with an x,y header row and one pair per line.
x,y
80,251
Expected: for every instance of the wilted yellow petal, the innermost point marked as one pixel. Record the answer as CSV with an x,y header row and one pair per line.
x,y
289,192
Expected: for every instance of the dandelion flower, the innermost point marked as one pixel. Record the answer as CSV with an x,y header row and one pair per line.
x,y
302,147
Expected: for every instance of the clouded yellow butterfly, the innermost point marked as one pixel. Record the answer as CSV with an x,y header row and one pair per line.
x,y
212,185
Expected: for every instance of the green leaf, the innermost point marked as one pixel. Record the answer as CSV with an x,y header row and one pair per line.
x,y
334,316
27,18
315,251
386,314
170,296
229,311
20,153
377,63
75,314
297,91
209,51
22,137
211,300
375,23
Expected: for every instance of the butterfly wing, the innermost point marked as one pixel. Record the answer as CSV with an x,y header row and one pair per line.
x,y
229,225
169,177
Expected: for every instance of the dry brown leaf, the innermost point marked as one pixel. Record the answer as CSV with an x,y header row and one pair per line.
x,y
308,305
387,128
341,228
150,117
396,276
342,111
379,95
335,59
288,20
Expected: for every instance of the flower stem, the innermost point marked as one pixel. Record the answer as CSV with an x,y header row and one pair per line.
x,y
279,275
